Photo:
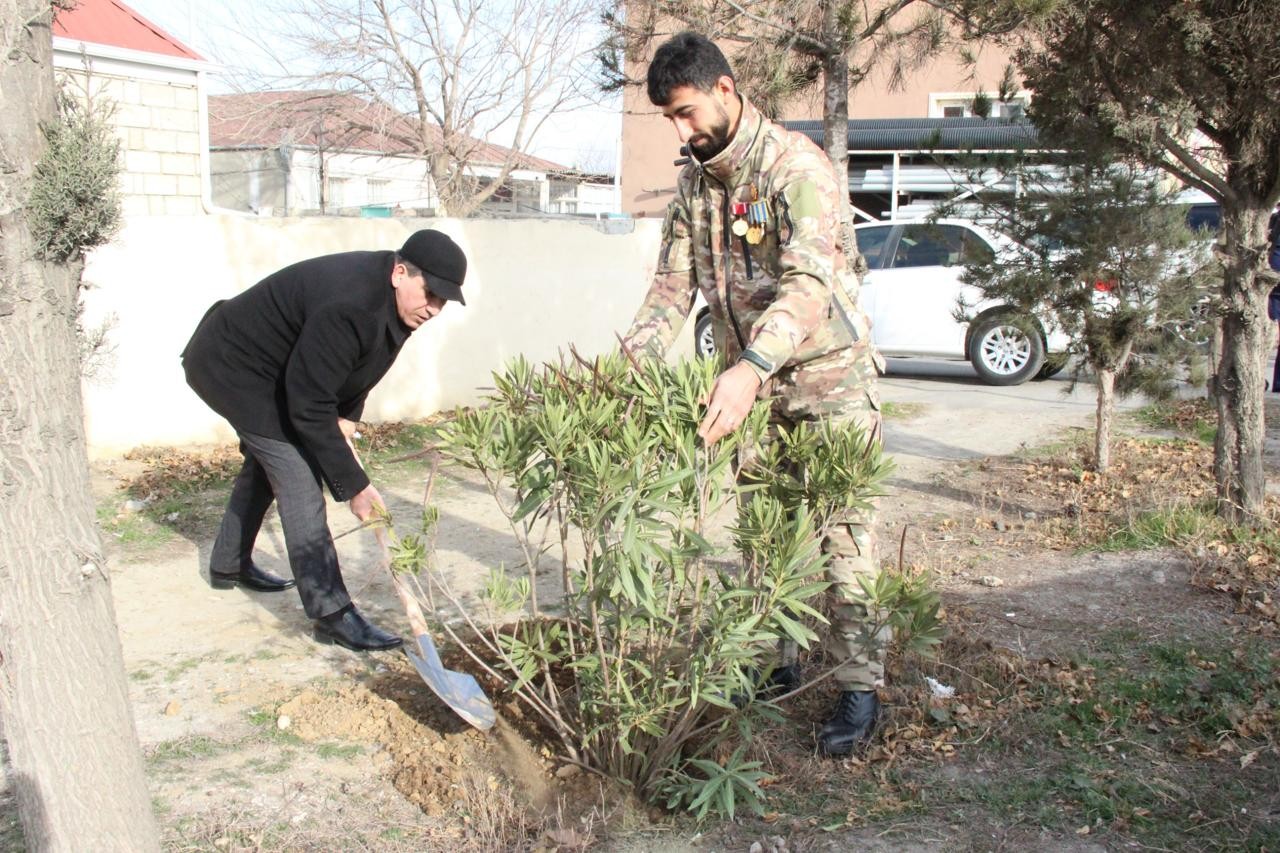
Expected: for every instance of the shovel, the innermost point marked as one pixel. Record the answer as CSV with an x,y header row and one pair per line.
x,y
460,691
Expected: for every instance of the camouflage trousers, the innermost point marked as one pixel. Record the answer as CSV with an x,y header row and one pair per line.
x,y
852,640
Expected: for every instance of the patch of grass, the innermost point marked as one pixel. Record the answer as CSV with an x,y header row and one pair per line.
x,y
181,668
1069,444
1173,527
281,764
1184,689
185,749
902,411
1186,525
1144,741
1194,418
329,750
268,728
133,529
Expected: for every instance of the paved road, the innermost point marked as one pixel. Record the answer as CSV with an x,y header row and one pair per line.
x,y
964,418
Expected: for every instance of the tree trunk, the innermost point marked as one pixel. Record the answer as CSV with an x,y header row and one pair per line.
x,y
835,119
1102,428
1215,359
1237,451
75,766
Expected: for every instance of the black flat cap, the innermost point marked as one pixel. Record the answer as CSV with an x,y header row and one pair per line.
x,y
443,264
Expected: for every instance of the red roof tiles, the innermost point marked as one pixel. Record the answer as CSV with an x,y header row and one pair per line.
x,y
113,23
337,121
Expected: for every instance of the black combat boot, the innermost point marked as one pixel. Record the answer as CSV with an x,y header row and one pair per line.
x,y
852,724
782,679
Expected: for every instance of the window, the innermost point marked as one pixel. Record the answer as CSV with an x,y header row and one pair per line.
x,y
960,105
379,191
929,246
1011,109
871,243
335,193
528,196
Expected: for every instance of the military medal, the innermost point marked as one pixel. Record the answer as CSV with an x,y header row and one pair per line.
x,y
757,215
740,225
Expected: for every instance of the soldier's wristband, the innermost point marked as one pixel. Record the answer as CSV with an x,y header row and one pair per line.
x,y
757,363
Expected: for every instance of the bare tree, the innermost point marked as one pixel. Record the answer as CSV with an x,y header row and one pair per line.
x,y
73,750
784,47
453,75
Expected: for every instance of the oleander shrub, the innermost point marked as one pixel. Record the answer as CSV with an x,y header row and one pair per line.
x,y
675,583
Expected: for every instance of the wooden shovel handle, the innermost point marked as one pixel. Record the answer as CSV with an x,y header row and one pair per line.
x,y
416,620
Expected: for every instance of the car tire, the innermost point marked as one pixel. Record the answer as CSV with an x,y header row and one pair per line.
x,y
1006,349
704,339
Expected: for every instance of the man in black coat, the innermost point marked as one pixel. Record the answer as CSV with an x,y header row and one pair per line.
x,y
289,363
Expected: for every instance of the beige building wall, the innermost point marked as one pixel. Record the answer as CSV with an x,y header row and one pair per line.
x,y
533,288
650,145
156,114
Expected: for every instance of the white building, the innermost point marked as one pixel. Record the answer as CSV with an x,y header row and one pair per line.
x,y
155,88
300,152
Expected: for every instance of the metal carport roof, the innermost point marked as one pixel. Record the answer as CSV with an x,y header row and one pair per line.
x,y
924,134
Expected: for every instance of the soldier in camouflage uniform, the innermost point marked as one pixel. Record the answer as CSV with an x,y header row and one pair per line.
x,y
756,227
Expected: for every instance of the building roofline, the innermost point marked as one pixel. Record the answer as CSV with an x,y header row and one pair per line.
x,y
75,47
928,134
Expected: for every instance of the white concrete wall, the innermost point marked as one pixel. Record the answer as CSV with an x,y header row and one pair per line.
x,y
532,288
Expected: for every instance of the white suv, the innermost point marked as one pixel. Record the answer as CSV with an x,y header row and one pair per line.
x,y
912,291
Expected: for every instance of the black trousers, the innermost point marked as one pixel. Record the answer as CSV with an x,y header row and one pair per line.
x,y
283,472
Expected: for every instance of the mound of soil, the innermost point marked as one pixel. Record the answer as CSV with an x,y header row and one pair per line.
x,y
501,785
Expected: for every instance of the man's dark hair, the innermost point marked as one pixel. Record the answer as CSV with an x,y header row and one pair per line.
x,y
686,59
409,266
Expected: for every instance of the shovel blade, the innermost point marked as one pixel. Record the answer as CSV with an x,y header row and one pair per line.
x,y
459,691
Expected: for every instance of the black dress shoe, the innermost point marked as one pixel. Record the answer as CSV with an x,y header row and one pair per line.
x,y
349,629
251,577
852,724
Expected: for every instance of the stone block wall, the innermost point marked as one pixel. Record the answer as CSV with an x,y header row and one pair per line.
x,y
158,124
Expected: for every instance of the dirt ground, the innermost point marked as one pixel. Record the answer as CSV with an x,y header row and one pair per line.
x,y
258,738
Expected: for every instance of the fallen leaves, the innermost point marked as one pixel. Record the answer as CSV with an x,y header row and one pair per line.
x,y
169,472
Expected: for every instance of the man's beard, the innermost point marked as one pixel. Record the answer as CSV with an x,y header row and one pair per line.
x,y
705,146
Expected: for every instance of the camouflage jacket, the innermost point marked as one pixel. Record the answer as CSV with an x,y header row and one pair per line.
x,y
786,304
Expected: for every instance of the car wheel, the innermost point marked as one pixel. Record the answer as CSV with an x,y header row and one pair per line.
x,y
1006,349
704,339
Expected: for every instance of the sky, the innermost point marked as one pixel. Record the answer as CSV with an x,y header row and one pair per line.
x,y
586,138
